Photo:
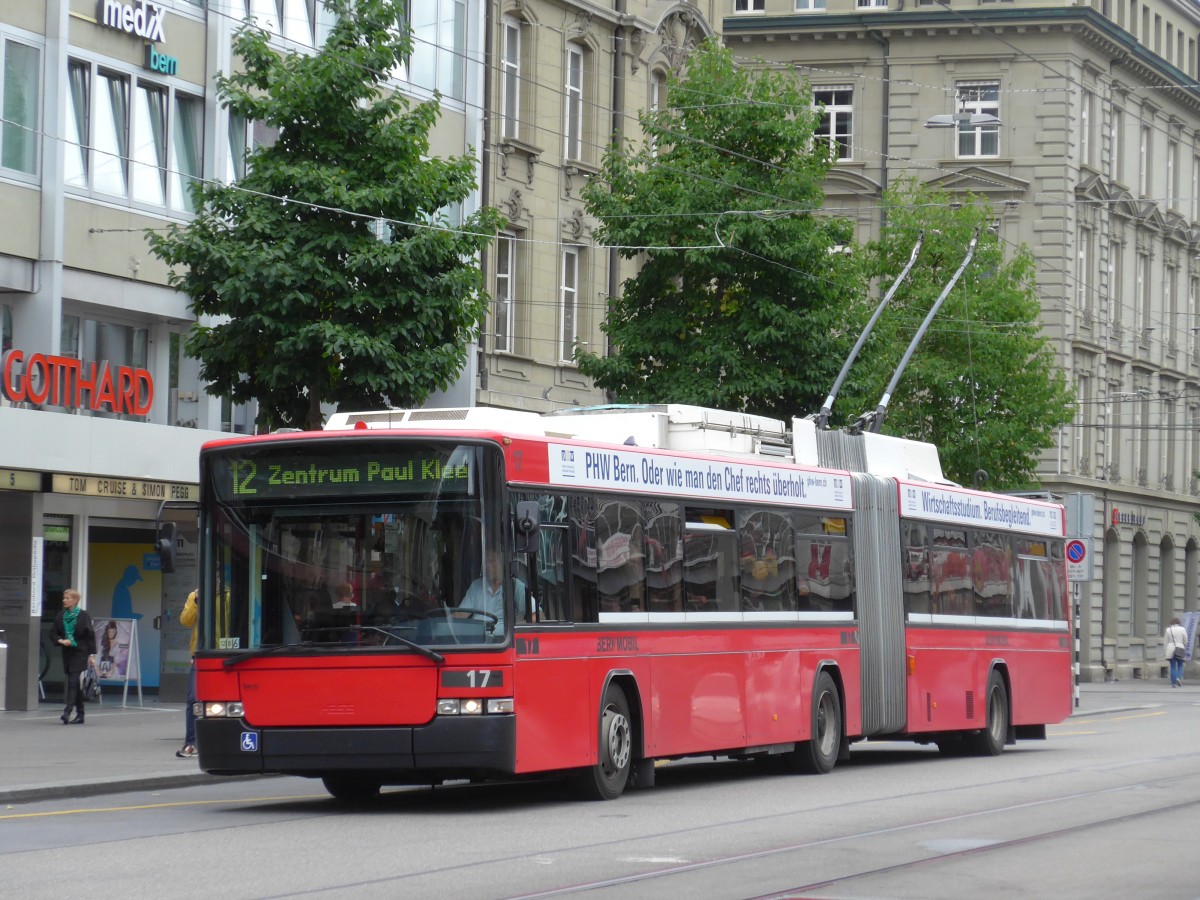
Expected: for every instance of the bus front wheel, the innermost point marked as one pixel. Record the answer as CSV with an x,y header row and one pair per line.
x,y
819,755
606,780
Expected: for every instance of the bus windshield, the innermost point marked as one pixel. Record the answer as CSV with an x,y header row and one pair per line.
x,y
350,543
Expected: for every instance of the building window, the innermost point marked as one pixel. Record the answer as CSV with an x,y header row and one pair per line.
x,y
1083,419
1117,150
1193,312
1173,175
749,6
187,151
149,147
1145,148
1142,291
244,138
6,328
110,134
132,138
505,296
510,78
1085,128
439,38
979,98
1116,286
1168,392
810,5
20,89
1172,310
573,114
872,4
265,14
569,304
1083,272
658,99
837,119
110,343
1195,191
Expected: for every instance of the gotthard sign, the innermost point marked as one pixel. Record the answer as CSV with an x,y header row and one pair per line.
x,y
65,381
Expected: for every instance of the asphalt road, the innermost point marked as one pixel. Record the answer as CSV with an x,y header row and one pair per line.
x,y
1107,807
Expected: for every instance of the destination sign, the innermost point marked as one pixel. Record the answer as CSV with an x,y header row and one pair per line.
x,y
254,474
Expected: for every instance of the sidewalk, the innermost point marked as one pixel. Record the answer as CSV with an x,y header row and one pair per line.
x,y
133,748
119,749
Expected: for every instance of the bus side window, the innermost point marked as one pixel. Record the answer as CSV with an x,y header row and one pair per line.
x,y
664,560
824,564
548,580
710,562
584,598
915,548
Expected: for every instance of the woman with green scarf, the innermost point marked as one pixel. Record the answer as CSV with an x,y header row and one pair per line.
x,y
74,632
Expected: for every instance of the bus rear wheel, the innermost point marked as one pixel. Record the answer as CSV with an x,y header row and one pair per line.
x,y
606,780
819,755
990,740
351,790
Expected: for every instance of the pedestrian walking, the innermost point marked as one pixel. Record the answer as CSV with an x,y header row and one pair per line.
x,y
1175,646
75,633
190,618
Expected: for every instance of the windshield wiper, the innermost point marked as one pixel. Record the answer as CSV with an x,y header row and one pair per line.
x,y
267,651
412,645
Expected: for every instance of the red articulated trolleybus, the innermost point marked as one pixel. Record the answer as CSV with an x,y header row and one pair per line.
x,y
411,597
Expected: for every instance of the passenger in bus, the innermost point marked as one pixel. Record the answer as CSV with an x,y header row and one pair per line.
x,y
343,596
486,593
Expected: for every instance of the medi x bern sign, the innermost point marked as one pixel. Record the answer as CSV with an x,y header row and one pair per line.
x,y
145,20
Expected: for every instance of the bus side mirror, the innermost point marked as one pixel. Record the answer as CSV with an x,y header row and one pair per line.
x,y
527,524
166,547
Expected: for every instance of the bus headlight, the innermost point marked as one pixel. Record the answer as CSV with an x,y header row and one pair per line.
x,y
473,706
221,709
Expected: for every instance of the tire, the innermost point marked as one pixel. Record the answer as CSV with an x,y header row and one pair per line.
x,y
351,790
606,780
819,755
990,741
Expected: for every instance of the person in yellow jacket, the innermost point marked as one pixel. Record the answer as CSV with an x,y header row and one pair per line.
x,y
190,618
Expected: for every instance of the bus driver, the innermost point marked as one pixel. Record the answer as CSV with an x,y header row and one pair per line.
x,y
486,593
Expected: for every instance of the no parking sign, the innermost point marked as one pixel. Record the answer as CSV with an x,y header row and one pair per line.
x,y
1079,559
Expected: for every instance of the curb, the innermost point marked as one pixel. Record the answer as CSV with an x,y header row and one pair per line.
x,y
37,792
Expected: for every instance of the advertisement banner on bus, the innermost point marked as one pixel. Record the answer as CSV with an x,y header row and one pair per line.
x,y
923,501
716,479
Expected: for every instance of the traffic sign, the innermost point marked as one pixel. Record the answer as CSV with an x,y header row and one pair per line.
x,y
1079,559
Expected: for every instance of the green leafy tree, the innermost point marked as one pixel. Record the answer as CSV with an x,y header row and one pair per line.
x,y
321,274
983,384
741,300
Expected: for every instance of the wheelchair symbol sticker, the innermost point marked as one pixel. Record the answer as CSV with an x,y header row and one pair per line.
x,y
250,741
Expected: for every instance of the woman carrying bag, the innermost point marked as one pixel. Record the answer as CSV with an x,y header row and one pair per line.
x,y
74,632
1175,644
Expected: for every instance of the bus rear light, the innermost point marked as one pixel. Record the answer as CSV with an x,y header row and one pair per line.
x,y
220,709
473,706
912,665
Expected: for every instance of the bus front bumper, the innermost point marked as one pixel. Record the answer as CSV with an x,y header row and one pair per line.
x,y
447,746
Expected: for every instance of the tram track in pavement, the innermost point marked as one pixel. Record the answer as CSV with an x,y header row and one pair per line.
x,y
981,848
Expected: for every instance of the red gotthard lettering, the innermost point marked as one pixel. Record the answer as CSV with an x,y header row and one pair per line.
x,y
65,381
